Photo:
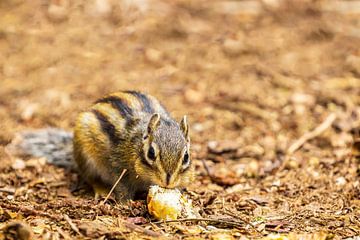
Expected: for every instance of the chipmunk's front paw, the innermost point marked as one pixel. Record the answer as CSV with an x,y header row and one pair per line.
x,y
100,191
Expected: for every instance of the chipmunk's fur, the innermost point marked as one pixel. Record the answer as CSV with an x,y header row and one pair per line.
x,y
132,131
124,130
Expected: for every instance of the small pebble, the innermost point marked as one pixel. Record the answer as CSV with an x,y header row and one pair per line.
x,y
340,181
18,164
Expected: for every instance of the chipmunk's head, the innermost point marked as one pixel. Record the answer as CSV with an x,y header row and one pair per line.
x,y
166,153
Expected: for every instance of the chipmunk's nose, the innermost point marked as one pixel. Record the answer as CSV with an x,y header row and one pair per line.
x,y
168,178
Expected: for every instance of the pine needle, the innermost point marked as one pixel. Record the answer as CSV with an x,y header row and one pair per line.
x,y
218,221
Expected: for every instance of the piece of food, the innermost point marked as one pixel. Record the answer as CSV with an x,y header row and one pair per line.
x,y
168,204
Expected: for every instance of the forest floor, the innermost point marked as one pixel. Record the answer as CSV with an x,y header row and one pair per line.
x,y
272,94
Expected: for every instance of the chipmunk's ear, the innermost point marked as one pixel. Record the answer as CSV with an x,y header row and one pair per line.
x,y
185,127
154,123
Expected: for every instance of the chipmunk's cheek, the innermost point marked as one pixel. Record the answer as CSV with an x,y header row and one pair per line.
x,y
141,173
176,183
155,180
186,179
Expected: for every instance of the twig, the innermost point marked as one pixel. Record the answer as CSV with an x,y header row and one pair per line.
x,y
72,224
7,190
63,234
142,229
243,220
229,223
113,187
206,168
312,134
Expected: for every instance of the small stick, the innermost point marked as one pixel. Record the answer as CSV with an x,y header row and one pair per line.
x,y
245,221
72,224
206,168
142,229
63,234
7,190
312,134
229,223
113,187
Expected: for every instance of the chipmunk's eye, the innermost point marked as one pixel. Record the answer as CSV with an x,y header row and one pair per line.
x,y
151,153
186,158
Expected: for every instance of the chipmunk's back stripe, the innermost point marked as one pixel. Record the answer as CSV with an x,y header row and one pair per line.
x,y
145,101
125,111
107,127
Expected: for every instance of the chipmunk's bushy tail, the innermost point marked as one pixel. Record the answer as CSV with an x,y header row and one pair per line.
x,y
52,143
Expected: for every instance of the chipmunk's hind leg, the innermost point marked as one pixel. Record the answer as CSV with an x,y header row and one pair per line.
x,y
122,193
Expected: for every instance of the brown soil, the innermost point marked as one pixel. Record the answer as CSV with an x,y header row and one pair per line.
x,y
252,82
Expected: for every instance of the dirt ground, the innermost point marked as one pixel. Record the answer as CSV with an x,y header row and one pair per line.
x,y
255,80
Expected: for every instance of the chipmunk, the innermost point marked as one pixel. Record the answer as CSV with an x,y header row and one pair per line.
x,y
133,131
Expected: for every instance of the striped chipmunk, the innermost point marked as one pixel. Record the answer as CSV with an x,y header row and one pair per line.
x,y
123,130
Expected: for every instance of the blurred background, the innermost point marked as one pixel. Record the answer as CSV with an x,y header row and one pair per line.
x,y
253,76
58,56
